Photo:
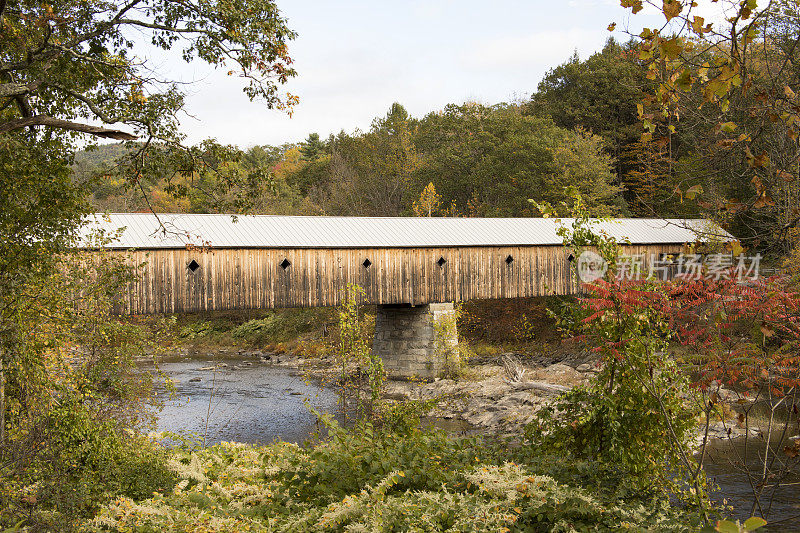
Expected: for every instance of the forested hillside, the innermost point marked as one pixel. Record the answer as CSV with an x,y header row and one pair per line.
x,y
580,128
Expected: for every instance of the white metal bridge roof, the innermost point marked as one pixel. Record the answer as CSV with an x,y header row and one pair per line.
x,y
170,230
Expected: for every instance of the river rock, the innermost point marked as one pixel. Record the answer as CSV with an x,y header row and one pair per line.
x,y
559,368
523,397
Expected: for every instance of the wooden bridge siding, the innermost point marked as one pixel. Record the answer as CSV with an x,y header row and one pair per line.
x,y
253,278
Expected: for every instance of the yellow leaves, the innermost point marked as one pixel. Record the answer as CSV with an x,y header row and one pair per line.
x,y
754,161
671,8
685,80
736,248
634,5
747,9
728,127
697,24
694,191
671,48
790,94
764,201
612,26
702,72
429,202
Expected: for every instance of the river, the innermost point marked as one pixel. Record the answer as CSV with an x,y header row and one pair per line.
x,y
253,401
247,400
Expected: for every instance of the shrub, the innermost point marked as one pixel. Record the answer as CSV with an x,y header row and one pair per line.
x,y
367,481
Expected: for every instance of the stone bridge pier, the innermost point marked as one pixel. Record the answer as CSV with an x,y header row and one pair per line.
x,y
416,341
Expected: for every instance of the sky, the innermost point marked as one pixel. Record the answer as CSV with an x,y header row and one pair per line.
x,y
355,58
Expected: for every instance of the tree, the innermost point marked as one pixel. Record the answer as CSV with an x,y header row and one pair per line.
x,y
66,66
71,59
375,169
491,160
429,202
312,149
733,84
598,94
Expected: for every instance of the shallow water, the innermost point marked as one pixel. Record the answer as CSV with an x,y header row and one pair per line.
x,y
247,401
736,491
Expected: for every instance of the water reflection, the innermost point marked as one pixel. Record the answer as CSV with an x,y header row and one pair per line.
x,y
721,466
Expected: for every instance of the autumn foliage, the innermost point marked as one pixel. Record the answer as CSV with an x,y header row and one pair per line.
x,y
742,334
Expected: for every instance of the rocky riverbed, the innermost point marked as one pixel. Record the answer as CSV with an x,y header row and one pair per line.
x,y
495,395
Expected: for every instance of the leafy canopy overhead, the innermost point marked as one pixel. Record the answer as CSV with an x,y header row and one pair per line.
x,y
67,63
728,72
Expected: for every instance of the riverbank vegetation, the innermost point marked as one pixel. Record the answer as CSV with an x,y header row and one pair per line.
x,y
697,118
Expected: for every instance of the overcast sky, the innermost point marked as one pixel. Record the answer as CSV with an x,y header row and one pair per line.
x,y
354,58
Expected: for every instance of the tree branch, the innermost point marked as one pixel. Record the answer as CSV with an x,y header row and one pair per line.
x,y
16,89
44,120
90,104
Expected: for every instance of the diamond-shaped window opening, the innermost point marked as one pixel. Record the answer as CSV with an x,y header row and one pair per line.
x,y
193,265
509,260
285,264
441,261
366,263
571,258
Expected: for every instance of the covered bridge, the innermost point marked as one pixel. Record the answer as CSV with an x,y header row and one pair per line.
x,y
411,268
221,262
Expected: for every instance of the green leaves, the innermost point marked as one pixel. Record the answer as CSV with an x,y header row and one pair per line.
x,y
70,60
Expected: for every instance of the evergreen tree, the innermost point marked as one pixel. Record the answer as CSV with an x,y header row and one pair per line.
x,y
312,148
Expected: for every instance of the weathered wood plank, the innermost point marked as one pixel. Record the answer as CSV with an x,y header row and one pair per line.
x,y
253,278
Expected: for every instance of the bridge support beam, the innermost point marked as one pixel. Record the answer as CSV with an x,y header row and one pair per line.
x,y
416,341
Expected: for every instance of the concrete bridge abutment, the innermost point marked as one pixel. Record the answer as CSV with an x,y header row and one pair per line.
x,y
416,341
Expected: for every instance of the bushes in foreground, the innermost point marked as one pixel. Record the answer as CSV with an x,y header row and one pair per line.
x,y
368,480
